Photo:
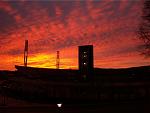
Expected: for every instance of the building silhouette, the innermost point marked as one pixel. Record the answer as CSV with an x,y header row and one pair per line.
x,y
69,86
85,60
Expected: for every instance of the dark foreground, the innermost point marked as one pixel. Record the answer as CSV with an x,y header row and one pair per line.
x,y
32,90
13,105
107,108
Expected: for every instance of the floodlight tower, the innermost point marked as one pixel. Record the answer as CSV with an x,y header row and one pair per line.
x,y
26,53
57,60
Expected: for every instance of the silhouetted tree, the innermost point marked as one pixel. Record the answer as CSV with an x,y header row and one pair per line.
x,y
144,29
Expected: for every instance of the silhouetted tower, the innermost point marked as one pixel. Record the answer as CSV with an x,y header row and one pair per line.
x,y
57,60
86,60
26,53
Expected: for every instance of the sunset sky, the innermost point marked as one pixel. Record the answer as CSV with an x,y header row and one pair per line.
x,y
62,25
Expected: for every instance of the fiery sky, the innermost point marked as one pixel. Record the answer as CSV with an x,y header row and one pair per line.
x,y
110,25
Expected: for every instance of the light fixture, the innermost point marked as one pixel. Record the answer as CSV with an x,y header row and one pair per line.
x,y
59,105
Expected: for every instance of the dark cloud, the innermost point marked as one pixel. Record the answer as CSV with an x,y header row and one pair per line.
x,y
13,52
6,21
20,7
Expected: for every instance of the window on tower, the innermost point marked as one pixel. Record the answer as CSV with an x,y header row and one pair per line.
x,y
84,63
84,56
